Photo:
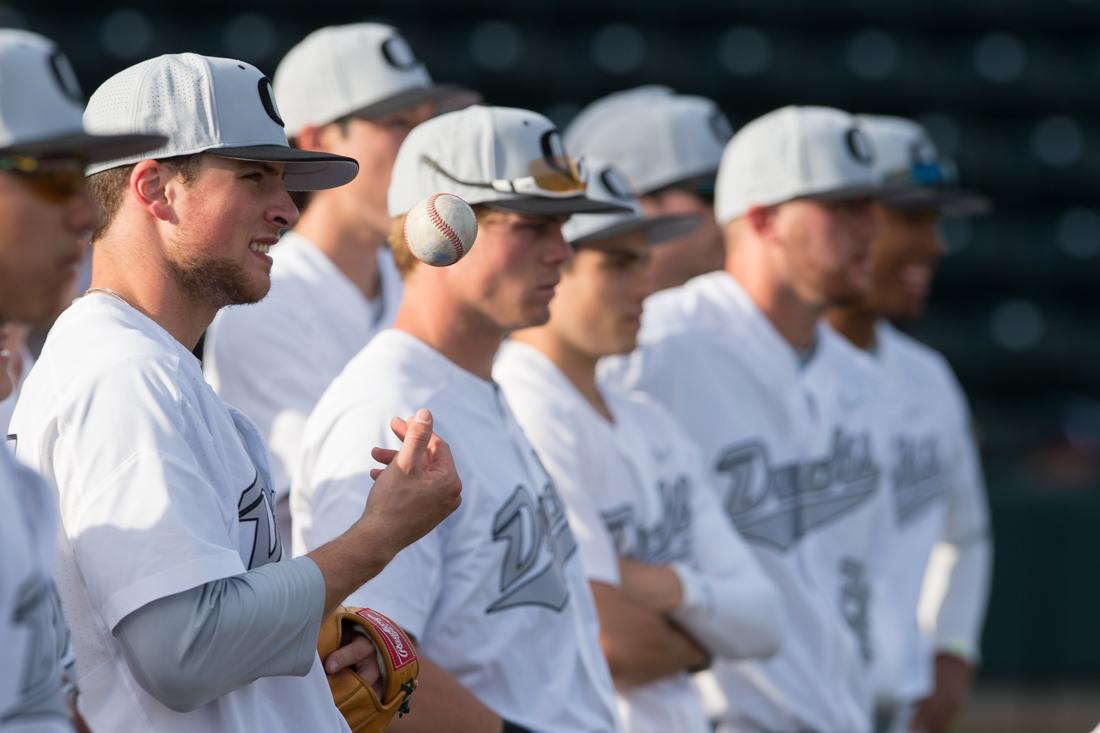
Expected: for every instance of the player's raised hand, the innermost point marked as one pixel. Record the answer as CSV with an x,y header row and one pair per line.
x,y
419,487
416,491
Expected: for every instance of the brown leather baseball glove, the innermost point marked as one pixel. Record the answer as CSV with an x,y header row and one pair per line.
x,y
397,661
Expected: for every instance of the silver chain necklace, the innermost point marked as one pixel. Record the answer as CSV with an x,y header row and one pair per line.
x,y
112,293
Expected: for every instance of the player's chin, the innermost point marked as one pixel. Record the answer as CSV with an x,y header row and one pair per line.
x,y
534,313
622,344
252,291
906,308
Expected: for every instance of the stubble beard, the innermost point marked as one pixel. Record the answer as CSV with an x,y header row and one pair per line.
x,y
216,282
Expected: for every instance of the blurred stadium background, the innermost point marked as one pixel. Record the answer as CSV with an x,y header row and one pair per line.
x,y
1009,88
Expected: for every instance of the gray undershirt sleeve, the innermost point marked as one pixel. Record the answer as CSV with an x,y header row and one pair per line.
x,y
193,647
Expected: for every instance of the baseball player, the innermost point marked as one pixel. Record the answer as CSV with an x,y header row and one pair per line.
x,y
353,90
668,145
670,577
781,407
183,618
44,214
495,597
931,466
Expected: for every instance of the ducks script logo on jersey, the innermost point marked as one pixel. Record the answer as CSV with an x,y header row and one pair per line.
x,y
778,505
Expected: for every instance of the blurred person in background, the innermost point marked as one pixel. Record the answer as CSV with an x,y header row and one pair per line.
x,y
933,472
674,584
354,90
668,146
46,215
781,408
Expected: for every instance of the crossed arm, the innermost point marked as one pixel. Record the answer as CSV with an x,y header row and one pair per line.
x,y
666,619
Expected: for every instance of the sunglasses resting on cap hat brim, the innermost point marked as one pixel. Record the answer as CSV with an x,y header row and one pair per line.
x,y
701,185
540,206
92,148
305,170
658,229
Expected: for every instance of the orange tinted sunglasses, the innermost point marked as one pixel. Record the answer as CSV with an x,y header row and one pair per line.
x,y
52,179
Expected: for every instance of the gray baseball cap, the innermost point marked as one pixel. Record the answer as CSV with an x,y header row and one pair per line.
x,y
362,69
41,105
204,104
913,173
792,153
607,183
511,158
656,137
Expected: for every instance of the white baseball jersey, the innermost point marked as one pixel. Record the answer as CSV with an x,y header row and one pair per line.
x,y
161,488
791,458
934,481
34,641
636,488
495,594
273,360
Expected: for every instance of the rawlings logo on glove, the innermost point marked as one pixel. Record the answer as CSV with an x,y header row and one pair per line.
x,y
397,662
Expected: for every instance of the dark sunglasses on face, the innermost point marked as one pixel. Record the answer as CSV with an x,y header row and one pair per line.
x,y
53,179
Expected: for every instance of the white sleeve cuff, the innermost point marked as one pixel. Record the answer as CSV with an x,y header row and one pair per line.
x,y
696,590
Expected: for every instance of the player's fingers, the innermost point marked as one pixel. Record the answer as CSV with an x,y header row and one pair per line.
x,y
418,433
439,454
375,473
398,426
383,455
354,653
370,673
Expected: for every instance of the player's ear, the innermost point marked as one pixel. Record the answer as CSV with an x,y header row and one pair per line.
x,y
311,137
148,184
761,219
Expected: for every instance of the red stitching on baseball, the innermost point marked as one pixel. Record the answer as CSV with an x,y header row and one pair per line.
x,y
443,227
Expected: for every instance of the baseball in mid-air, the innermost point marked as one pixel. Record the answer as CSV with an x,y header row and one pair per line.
x,y
441,229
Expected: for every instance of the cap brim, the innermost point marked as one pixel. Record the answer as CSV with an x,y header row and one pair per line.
x,y
539,205
92,148
446,98
846,193
305,170
693,182
948,201
657,229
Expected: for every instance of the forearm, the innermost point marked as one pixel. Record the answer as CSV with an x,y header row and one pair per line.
x,y
967,567
440,703
656,587
735,617
640,644
349,561
193,647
